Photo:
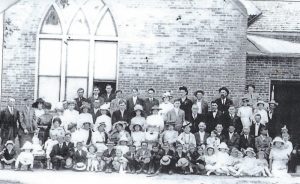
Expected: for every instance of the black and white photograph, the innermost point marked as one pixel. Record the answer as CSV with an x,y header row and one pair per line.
x,y
150,91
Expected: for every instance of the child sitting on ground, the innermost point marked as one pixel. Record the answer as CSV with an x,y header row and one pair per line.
x,y
108,156
235,160
222,160
93,163
119,162
130,156
25,158
263,164
249,165
180,158
210,160
155,159
8,155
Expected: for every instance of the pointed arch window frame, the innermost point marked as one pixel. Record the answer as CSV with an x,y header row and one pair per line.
x,y
65,37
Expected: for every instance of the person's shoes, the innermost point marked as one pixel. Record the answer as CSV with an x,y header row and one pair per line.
x,y
170,172
29,169
133,172
109,171
17,169
139,171
106,170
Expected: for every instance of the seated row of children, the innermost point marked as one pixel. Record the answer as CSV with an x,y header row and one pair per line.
x,y
161,158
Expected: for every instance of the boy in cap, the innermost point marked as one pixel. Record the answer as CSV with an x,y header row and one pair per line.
x,y
108,156
79,157
8,155
130,156
143,156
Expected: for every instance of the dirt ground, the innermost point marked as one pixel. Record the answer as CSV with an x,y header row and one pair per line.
x,y
63,177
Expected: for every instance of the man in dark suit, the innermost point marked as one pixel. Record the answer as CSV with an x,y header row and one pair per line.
x,y
95,111
150,101
80,99
95,96
220,132
59,154
134,100
214,117
231,118
10,118
201,136
274,117
80,156
246,140
232,139
223,102
185,103
256,127
109,95
200,102
28,123
195,118
122,114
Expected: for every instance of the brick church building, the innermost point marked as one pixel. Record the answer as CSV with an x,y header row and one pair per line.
x,y
53,47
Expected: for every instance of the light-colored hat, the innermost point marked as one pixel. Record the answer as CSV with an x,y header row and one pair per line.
x,y
183,162
123,138
155,107
80,166
261,102
9,142
123,123
210,146
27,146
277,139
186,123
250,150
69,163
223,145
138,107
167,94
273,102
105,106
59,106
165,160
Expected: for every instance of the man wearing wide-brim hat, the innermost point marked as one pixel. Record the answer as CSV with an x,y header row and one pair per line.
x,y
223,102
275,120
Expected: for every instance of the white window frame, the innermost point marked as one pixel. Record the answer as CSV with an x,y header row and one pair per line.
x,y
1,50
92,38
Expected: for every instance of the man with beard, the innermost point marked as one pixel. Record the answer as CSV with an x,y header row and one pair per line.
x,y
223,102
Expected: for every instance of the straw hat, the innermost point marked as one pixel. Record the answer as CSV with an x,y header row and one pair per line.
x,y
250,150
9,142
27,146
261,102
80,166
123,123
165,160
277,139
183,162
105,106
223,145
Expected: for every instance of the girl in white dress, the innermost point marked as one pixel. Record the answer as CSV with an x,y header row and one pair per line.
x,y
99,138
138,135
155,120
245,113
70,114
169,135
279,158
213,139
138,118
85,116
210,160
223,160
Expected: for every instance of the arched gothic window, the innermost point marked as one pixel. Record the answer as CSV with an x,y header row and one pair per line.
x,y
77,49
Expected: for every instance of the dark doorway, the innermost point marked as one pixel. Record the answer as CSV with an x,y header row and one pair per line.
x,y
287,94
102,85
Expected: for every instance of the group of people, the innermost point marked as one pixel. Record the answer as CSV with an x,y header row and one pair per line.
x,y
107,133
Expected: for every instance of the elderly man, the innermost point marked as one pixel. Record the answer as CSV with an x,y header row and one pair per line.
x,y
27,122
10,119
201,136
223,102
195,118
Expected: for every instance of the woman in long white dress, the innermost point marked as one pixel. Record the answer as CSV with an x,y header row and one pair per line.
x,y
279,158
100,137
155,120
70,114
138,118
245,112
85,116
104,109
166,105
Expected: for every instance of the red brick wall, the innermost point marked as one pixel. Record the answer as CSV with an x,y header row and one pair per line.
x,y
261,70
205,49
